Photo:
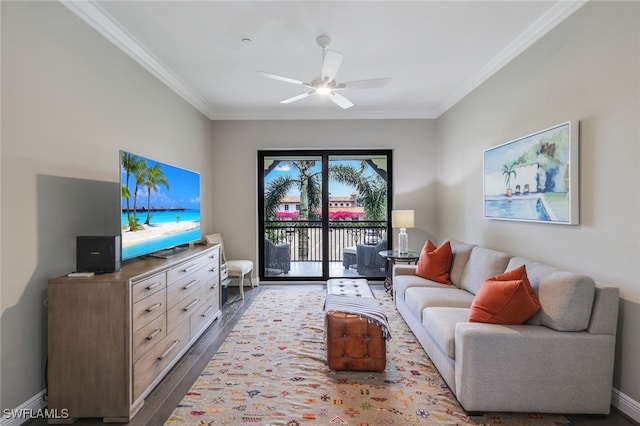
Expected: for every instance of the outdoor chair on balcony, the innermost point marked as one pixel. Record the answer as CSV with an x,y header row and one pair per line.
x,y
369,262
277,257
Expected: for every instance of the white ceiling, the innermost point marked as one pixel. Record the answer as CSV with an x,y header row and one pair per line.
x,y
435,51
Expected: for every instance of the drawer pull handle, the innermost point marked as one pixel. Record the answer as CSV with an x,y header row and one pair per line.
x,y
153,307
152,286
173,345
214,286
191,305
205,313
189,268
154,334
191,284
214,269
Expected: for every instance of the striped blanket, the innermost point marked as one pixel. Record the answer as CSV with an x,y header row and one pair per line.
x,y
365,307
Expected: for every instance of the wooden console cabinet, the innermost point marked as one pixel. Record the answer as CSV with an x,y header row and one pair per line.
x,y
113,337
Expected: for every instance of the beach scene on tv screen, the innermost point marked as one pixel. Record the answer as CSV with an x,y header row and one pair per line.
x,y
160,205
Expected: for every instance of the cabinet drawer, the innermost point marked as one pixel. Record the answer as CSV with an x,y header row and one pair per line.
x,y
149,336
147,368
213,265
149,309
202,316
185,286
178,272
211,272
183,309
149,286
213,289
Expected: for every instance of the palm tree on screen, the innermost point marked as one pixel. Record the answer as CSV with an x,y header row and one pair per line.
x,y
132,165
153,177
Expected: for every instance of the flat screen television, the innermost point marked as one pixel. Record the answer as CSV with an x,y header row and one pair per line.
x,y
160,207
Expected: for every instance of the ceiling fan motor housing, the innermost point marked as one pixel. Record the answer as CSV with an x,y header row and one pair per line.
x,y
323,41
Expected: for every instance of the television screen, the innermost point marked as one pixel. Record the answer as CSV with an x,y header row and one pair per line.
x,y
160,206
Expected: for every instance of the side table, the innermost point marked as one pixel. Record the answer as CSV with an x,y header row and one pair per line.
x,y
392,257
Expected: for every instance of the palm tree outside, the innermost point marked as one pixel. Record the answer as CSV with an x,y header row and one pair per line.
x,y
308,183
372,189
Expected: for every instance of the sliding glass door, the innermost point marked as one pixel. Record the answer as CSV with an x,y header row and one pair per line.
x,y
323,213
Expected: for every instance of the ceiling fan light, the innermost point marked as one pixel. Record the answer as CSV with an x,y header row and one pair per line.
x,y
323,90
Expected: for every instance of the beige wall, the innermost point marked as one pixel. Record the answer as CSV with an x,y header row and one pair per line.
x,y
70,101
585,69
235,167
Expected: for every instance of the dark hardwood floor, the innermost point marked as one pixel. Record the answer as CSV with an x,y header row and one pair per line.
x,y
161,402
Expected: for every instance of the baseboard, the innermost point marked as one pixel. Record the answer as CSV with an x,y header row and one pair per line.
x,y
28,410
627,406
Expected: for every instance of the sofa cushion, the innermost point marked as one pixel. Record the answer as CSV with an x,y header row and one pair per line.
x,y
441,324
460,253
483,263
505,299
434,262
402,282
419,298
534,269
566,300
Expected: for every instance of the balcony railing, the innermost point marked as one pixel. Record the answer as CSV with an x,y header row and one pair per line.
x,y
305,237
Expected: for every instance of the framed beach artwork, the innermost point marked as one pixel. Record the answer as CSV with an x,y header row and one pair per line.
x,y
535,178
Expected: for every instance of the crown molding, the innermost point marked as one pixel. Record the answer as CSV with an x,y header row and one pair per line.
x,y
549,20
338,114
97,18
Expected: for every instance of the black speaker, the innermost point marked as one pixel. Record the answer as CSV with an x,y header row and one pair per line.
x,y
98,253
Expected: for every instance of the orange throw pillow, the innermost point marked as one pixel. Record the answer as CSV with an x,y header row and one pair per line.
x,y
507,298
434,263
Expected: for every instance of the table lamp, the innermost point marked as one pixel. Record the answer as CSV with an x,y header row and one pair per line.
x,y
402,219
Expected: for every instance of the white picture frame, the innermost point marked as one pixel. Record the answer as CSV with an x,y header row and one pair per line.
x,y
535,178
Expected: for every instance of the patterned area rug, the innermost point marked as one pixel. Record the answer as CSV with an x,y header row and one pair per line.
x,y
271,370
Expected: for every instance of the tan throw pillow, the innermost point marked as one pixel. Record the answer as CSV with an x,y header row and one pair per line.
x,y
435,263
505,299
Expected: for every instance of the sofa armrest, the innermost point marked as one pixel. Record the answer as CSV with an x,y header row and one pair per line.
x,y
533,369
604,314
404,269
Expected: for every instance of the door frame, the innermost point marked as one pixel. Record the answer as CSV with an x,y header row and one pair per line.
x,y
325,155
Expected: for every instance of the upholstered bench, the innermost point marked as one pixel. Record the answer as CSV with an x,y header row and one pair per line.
x,y
349,287
356,327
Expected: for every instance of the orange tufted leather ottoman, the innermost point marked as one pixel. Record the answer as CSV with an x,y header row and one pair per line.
x,y
354,343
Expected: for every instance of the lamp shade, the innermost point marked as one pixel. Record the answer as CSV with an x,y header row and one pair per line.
x,y
402,218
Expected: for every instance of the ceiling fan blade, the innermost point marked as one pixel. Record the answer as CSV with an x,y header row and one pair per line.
x,y
330,65
373,83
297,97
340,100
281,78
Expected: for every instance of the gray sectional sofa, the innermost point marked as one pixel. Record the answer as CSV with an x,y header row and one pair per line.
x,y
559,361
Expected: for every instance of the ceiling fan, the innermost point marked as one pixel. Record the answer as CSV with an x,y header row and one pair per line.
x,y
326,84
